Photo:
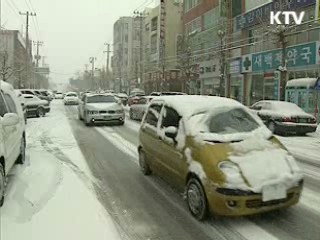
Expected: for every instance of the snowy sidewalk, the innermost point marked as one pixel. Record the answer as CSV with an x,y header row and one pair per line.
x,y
52,195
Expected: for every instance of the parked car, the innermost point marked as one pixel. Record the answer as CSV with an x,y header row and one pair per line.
x,y
36,106
12,134
100,108
71,98
123,97
134,98
23,103
137,110
285,117
58,95
45,95
220,154
167,93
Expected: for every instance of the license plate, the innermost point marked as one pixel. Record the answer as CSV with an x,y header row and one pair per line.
x,y
107,117
303,120
273,192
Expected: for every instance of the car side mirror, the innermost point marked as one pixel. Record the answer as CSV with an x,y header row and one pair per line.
x,y
10,119
171,132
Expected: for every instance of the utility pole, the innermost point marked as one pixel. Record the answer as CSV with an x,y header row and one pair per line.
x,y
38,44
107,65
92,61
27,14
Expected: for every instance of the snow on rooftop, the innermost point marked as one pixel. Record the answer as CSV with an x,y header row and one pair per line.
x,y
299,82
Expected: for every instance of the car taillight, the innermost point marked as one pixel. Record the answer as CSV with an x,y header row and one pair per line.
x,y
313,120
288,119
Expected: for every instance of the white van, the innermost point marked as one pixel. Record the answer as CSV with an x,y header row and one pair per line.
x,y
12,133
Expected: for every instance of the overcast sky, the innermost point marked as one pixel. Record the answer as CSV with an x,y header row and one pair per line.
x,y
72,30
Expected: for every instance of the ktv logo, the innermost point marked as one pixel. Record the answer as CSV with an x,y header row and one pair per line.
x,y
289,16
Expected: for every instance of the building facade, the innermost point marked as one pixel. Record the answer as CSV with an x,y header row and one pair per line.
x,y
13,59
126,55
261,56
162,27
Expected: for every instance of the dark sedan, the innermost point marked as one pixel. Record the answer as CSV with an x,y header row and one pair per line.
x,y
285,117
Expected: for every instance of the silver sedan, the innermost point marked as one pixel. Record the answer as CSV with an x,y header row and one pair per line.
x,y
101,108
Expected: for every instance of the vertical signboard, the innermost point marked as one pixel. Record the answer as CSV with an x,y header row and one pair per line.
x,y
162,34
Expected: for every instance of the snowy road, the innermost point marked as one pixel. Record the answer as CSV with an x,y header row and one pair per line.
x,y
146,207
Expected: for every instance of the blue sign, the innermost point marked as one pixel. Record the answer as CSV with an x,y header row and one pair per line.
x,y
262,13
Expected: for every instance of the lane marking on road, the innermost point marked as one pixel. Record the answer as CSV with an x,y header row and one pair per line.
x,y
119,142
247,229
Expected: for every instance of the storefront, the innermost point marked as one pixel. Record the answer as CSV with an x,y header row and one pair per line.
x,y
209,75
236,80
259,69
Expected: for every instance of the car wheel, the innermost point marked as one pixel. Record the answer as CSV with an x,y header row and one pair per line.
x,y
144,167
196,199
79,116
40,112
272,126
121,123
22,156
2,185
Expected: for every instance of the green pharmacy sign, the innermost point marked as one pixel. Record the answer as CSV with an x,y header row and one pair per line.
x,y
297,56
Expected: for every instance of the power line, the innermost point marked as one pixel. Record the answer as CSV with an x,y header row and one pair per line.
x,y
14,9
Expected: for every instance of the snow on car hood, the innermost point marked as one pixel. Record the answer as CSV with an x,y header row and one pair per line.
x,y
102,106
70,98
263,163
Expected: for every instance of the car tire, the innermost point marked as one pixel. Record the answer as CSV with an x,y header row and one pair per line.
x,y
121,123
272,126
2,185
40,112
79,116
196,199
144,167
22,157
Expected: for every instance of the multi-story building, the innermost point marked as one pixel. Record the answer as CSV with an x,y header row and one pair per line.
x,y
162,27
126,55
261,55
13,58
252,48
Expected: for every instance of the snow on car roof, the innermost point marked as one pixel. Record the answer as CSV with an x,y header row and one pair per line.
x,y
187,105
302,82
283,106
27,95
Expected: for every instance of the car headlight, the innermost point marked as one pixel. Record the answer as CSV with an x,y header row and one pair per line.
x,y
233,175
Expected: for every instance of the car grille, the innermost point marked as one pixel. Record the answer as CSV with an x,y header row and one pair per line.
x,y
257,203
110,112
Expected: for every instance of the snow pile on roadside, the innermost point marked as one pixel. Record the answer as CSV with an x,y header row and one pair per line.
x,y
52,196
263,163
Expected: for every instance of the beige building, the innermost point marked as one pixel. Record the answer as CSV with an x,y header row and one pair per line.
x,y
153,64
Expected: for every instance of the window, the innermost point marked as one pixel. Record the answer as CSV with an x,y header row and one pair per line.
x,y
233,121
154,24
170,118
101,99
3,106
189,4
153,44
11,105
153,114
